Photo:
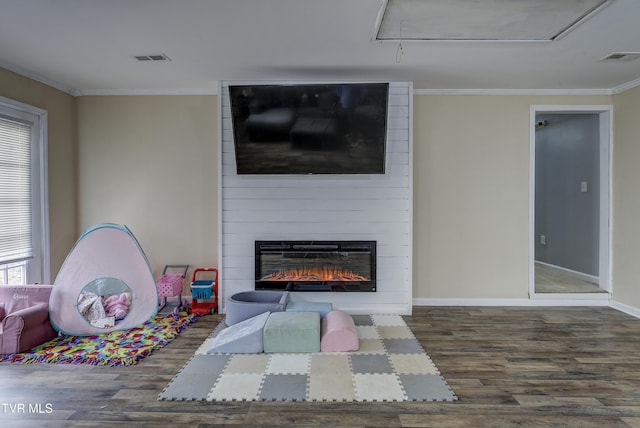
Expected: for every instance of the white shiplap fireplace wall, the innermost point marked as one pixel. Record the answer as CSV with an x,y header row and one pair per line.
x,y
323,207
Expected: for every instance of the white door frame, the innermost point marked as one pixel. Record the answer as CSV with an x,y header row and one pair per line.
x,y
606,138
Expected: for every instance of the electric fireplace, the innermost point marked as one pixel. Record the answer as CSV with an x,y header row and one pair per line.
x,y
315,265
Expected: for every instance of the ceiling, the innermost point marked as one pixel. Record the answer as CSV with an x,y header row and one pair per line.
x,y
88,47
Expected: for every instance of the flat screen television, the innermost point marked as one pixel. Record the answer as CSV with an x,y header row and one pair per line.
x,y
310,128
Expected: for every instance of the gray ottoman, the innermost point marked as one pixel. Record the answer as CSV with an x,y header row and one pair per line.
x,y
292,332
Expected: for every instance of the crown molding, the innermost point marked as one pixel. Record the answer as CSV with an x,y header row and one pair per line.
x,y
214,89
156,91
85,92
626,86
514,92
38,78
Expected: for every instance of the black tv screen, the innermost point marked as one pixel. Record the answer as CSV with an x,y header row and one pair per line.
x,y
310,128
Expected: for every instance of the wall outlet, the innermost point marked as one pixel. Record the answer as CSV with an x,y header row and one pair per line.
x,y
583,186
543,240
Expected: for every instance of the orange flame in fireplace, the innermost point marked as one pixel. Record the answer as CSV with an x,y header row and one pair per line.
x,y
325,273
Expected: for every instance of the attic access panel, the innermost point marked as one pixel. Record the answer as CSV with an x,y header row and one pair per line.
x,y
483,20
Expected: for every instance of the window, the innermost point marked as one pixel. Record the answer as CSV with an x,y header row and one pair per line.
x,y
24,229
13,273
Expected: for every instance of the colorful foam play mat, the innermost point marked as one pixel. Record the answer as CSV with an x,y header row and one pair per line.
x,y
117,348
390,365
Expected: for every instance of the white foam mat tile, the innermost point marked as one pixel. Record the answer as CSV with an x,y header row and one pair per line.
x,y
288,364
236,387
395,332
370,346
378,387
367,332
412,364
330,378
202,349
247,363
385,319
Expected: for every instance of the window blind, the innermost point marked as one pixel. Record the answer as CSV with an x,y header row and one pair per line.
x,y
16,235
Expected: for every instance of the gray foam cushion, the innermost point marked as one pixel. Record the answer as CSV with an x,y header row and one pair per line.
x,y
242,338
244,305
292,332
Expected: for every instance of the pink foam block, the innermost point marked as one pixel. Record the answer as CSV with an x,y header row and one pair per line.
x,y
338,333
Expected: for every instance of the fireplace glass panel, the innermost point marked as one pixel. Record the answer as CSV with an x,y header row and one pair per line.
x,y
316,265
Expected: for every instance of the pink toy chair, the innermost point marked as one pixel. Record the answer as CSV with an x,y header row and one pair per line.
x,y
24,317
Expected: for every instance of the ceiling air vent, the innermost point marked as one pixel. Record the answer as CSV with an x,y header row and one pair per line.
x,y
622,56
154,57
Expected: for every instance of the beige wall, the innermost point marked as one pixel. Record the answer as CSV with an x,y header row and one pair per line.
x,y
471,194
62,146
626,199
150,162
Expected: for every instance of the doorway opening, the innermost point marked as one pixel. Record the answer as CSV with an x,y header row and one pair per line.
x,y
569,202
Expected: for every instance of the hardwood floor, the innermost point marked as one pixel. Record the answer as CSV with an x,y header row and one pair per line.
x,y
509,367
549,280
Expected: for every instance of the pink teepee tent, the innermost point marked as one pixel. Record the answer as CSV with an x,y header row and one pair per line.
x,y
105,284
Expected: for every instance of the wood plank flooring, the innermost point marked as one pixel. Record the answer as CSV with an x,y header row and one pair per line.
x,y
509,367
549,280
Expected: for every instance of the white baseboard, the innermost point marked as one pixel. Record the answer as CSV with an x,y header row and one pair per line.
x,y
630,310
548,302
514,302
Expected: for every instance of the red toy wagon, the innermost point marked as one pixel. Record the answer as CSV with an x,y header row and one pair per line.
x,y
204,292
